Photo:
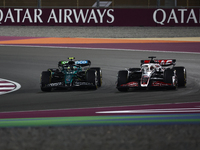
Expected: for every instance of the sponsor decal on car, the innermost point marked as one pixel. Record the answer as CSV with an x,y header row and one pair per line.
x,y
64,62
81,62
54,84
82,83
160,83
131,84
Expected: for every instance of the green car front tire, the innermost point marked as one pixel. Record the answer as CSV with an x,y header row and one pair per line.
x,y
45,79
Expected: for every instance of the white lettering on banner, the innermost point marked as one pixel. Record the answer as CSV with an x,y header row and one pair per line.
x,y
80,14
52,16
19,15
9,16
17,18
172,16
92,16
155,18
101,15
1,15
110,15
182,14
27,16
67,16
37,16
175,16
60,15
192,16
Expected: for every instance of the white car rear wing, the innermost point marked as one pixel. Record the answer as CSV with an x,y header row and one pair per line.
x,y
162,62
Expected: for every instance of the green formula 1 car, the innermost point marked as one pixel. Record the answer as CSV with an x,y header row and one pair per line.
x,y
71,74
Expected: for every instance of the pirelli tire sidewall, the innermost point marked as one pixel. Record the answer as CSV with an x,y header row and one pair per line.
x,y
91,77
182,76
168,77
99,75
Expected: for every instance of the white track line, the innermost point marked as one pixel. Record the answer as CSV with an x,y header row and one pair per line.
x,y
106,49
12,89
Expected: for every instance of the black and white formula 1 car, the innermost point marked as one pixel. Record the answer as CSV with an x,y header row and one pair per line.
x,y
152,73
71,74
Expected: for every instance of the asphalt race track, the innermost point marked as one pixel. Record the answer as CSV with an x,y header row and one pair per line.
x,y
24,65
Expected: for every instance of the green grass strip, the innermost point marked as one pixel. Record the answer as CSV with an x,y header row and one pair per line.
x,y
100,120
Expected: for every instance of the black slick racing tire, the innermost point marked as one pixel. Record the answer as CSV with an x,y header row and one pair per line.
x,y
182,76
168,74
122,79
91,77
45,79
99,75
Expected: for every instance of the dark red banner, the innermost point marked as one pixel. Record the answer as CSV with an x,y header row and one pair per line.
x,y
99,17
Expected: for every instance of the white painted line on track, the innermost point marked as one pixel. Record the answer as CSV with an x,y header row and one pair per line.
x,y
8,86
172,110
106,49
194,109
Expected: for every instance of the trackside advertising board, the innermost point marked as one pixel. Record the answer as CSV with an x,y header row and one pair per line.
x,y
99,17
